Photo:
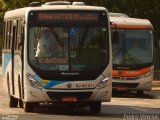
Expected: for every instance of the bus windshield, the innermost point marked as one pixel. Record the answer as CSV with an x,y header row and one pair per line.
x,y
133,47
68,48
70,43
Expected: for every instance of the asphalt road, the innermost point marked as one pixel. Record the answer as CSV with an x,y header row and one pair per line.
x,y
123,106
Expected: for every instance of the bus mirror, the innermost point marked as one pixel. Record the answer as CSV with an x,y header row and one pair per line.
x,y
115,34
115,37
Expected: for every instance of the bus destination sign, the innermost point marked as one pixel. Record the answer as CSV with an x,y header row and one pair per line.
x,y
68,16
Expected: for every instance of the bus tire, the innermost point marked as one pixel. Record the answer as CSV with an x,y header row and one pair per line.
x,y
13,102
95,107
20,103
140,93
28,106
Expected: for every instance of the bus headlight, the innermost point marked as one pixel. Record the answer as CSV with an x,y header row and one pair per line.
x,y
147,74
33,82
103,83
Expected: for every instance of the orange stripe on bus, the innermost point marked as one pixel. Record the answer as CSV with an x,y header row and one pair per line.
x,y
131,73
133,26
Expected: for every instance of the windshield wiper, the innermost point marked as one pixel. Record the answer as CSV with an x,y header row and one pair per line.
x,y
84,34
57,37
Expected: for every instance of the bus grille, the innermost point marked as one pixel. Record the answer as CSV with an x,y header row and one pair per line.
x,y
126,78
59,95
128,85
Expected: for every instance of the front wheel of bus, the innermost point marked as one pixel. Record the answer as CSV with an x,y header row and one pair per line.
x,y
95,107
13,102
28,106
20,103
140,93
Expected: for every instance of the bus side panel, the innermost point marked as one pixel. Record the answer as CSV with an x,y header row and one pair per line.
x,y
6,71
17,75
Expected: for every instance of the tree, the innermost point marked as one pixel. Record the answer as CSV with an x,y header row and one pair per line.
x,y
146,9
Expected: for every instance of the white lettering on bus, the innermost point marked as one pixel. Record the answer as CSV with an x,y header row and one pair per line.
x,y
52,60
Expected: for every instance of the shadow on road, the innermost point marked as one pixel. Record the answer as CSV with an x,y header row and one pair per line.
x,y
114,111
132,94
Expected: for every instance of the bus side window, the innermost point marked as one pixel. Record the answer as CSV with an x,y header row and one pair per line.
x,y
16,34
9,45
4,34
7,35
21,35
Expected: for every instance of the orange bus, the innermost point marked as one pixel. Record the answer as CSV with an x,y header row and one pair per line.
x,y
132,44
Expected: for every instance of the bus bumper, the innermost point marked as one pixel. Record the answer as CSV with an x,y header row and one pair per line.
x,y
137,84
85,95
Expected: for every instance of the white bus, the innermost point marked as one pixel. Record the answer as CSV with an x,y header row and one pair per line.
x,y
132,46
57,52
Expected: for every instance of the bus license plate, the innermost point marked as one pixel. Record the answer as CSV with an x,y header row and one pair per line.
x,y
69,99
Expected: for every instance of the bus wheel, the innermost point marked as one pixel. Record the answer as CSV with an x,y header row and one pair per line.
x,y
28,106
13,102
95,107
20,103
140,93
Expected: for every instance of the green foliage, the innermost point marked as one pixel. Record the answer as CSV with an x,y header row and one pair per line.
x,y
146,9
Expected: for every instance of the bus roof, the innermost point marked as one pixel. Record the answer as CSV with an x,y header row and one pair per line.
x,y
21,12
118,15
127,22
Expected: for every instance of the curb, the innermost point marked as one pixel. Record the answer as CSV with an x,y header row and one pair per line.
x,y
156,85
156,89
